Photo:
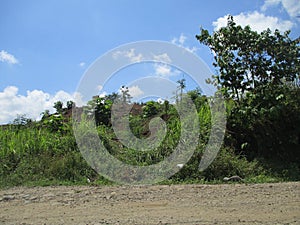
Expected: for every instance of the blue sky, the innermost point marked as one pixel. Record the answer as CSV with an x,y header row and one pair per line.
x,y
46,46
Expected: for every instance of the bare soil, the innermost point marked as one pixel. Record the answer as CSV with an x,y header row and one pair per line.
x,y
277,203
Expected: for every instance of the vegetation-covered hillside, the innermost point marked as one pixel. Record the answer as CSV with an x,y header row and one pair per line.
x,y
257,73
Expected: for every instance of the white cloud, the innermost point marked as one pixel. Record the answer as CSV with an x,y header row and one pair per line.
x,y
130,54
82,64
78,99
191,49
8,58
165,70
161,66
181,41
135,91
257,21
162,69
103,94
32,104
162,58
269,3
292,7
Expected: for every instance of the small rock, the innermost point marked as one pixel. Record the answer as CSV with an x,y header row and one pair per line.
x,y
26,197
8,198
33,198
111,195
233,178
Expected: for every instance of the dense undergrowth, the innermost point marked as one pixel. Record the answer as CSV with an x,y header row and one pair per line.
x,y
46,153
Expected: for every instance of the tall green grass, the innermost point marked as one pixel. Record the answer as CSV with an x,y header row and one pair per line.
x,y
34,153
31,140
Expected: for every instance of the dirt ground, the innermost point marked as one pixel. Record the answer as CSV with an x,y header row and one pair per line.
x,y
277,203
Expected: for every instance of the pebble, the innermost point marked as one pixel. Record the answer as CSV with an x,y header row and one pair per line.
x,y
111,195
7,198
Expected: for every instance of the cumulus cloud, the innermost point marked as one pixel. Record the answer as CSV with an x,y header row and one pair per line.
x,y
162,69
292,7
8,58
257,21
130,54
162,58
32,104
181,41
269,3
165,70
135,91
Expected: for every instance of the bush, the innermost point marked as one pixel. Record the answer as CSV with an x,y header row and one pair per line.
x,y
267,126
226,164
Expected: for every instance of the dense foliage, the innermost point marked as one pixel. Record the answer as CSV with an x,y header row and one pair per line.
x,y
259,73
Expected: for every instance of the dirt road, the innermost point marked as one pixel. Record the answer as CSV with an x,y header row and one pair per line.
x,y
179,204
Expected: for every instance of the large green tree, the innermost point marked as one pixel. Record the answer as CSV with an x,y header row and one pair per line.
x,y
247,60
258,73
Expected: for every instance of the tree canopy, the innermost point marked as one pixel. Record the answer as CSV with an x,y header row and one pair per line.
x,y
248,60
258,73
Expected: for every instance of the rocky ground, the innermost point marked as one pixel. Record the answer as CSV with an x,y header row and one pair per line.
x,y
277,203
